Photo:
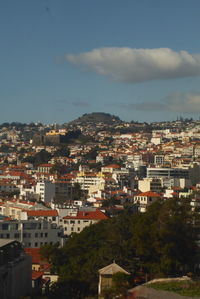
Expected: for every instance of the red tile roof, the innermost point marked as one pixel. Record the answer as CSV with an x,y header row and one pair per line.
x,y
112,166
47,213
46,165
92,215
36,274
35,254
149,194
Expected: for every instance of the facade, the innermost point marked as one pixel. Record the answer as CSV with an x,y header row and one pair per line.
x,y
158,172
144,199
33,233
150,184
89,180
15,270
46,190
82,219
48,215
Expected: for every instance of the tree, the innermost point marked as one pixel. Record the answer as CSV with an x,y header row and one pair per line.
x,y
59,169
62,151
161,241
165,238
77,191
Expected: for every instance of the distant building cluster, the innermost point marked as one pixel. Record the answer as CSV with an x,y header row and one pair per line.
x,y
52,186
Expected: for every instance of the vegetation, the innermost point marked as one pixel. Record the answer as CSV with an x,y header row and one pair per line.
x,y
39,158
184,288
62,151
160,242
97,117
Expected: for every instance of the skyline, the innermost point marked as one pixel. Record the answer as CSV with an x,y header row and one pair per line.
x,y
139,60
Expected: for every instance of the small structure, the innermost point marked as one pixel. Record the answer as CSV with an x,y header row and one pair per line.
x,y
106,276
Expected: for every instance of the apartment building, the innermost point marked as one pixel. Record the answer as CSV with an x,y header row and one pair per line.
x,y
31,233
82,219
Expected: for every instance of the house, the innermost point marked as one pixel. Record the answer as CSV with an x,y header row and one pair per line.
x,y
82,219
144,199
106,276
48,215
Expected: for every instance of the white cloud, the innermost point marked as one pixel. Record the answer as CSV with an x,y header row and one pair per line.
x,y
138,65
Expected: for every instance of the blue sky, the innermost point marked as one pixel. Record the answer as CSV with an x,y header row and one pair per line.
x,y
137,59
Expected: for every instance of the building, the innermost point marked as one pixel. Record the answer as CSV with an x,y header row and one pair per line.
x,y
46,190
144,199
82,219
31,233
15,270
150,184
158,172
106,276
48,215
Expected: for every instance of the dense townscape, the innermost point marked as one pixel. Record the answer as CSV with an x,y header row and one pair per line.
x,y
90,193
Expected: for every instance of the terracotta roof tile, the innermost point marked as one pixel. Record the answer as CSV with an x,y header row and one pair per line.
x,y
92,215
42,213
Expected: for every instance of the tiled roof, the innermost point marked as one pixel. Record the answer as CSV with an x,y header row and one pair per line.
x,y
149,194
46,165
36,274
42,213
92,215
35,254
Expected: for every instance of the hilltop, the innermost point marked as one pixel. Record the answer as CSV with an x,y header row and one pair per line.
x,y
96,117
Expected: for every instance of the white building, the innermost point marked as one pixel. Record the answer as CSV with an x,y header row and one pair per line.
x,y
82,219
150,184
144,199
31,233
46,190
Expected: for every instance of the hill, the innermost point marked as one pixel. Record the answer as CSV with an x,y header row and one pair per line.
x,y
96,117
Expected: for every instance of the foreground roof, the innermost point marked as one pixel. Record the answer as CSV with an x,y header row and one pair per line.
x,y
112,269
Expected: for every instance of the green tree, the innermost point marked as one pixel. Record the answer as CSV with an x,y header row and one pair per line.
x,y
62,151
161,241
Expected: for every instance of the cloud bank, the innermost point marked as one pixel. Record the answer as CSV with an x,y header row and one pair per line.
x,y
176,102
138,65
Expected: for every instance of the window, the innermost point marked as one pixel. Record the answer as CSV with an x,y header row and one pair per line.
x,y
72,221
36,235
78,229
46,235
54,218
36,244
4,226
7,236
41,234
16,235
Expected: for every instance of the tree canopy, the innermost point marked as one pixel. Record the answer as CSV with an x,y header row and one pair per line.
x,y
160,242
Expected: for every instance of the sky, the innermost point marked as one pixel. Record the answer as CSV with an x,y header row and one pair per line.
x,y
137,59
